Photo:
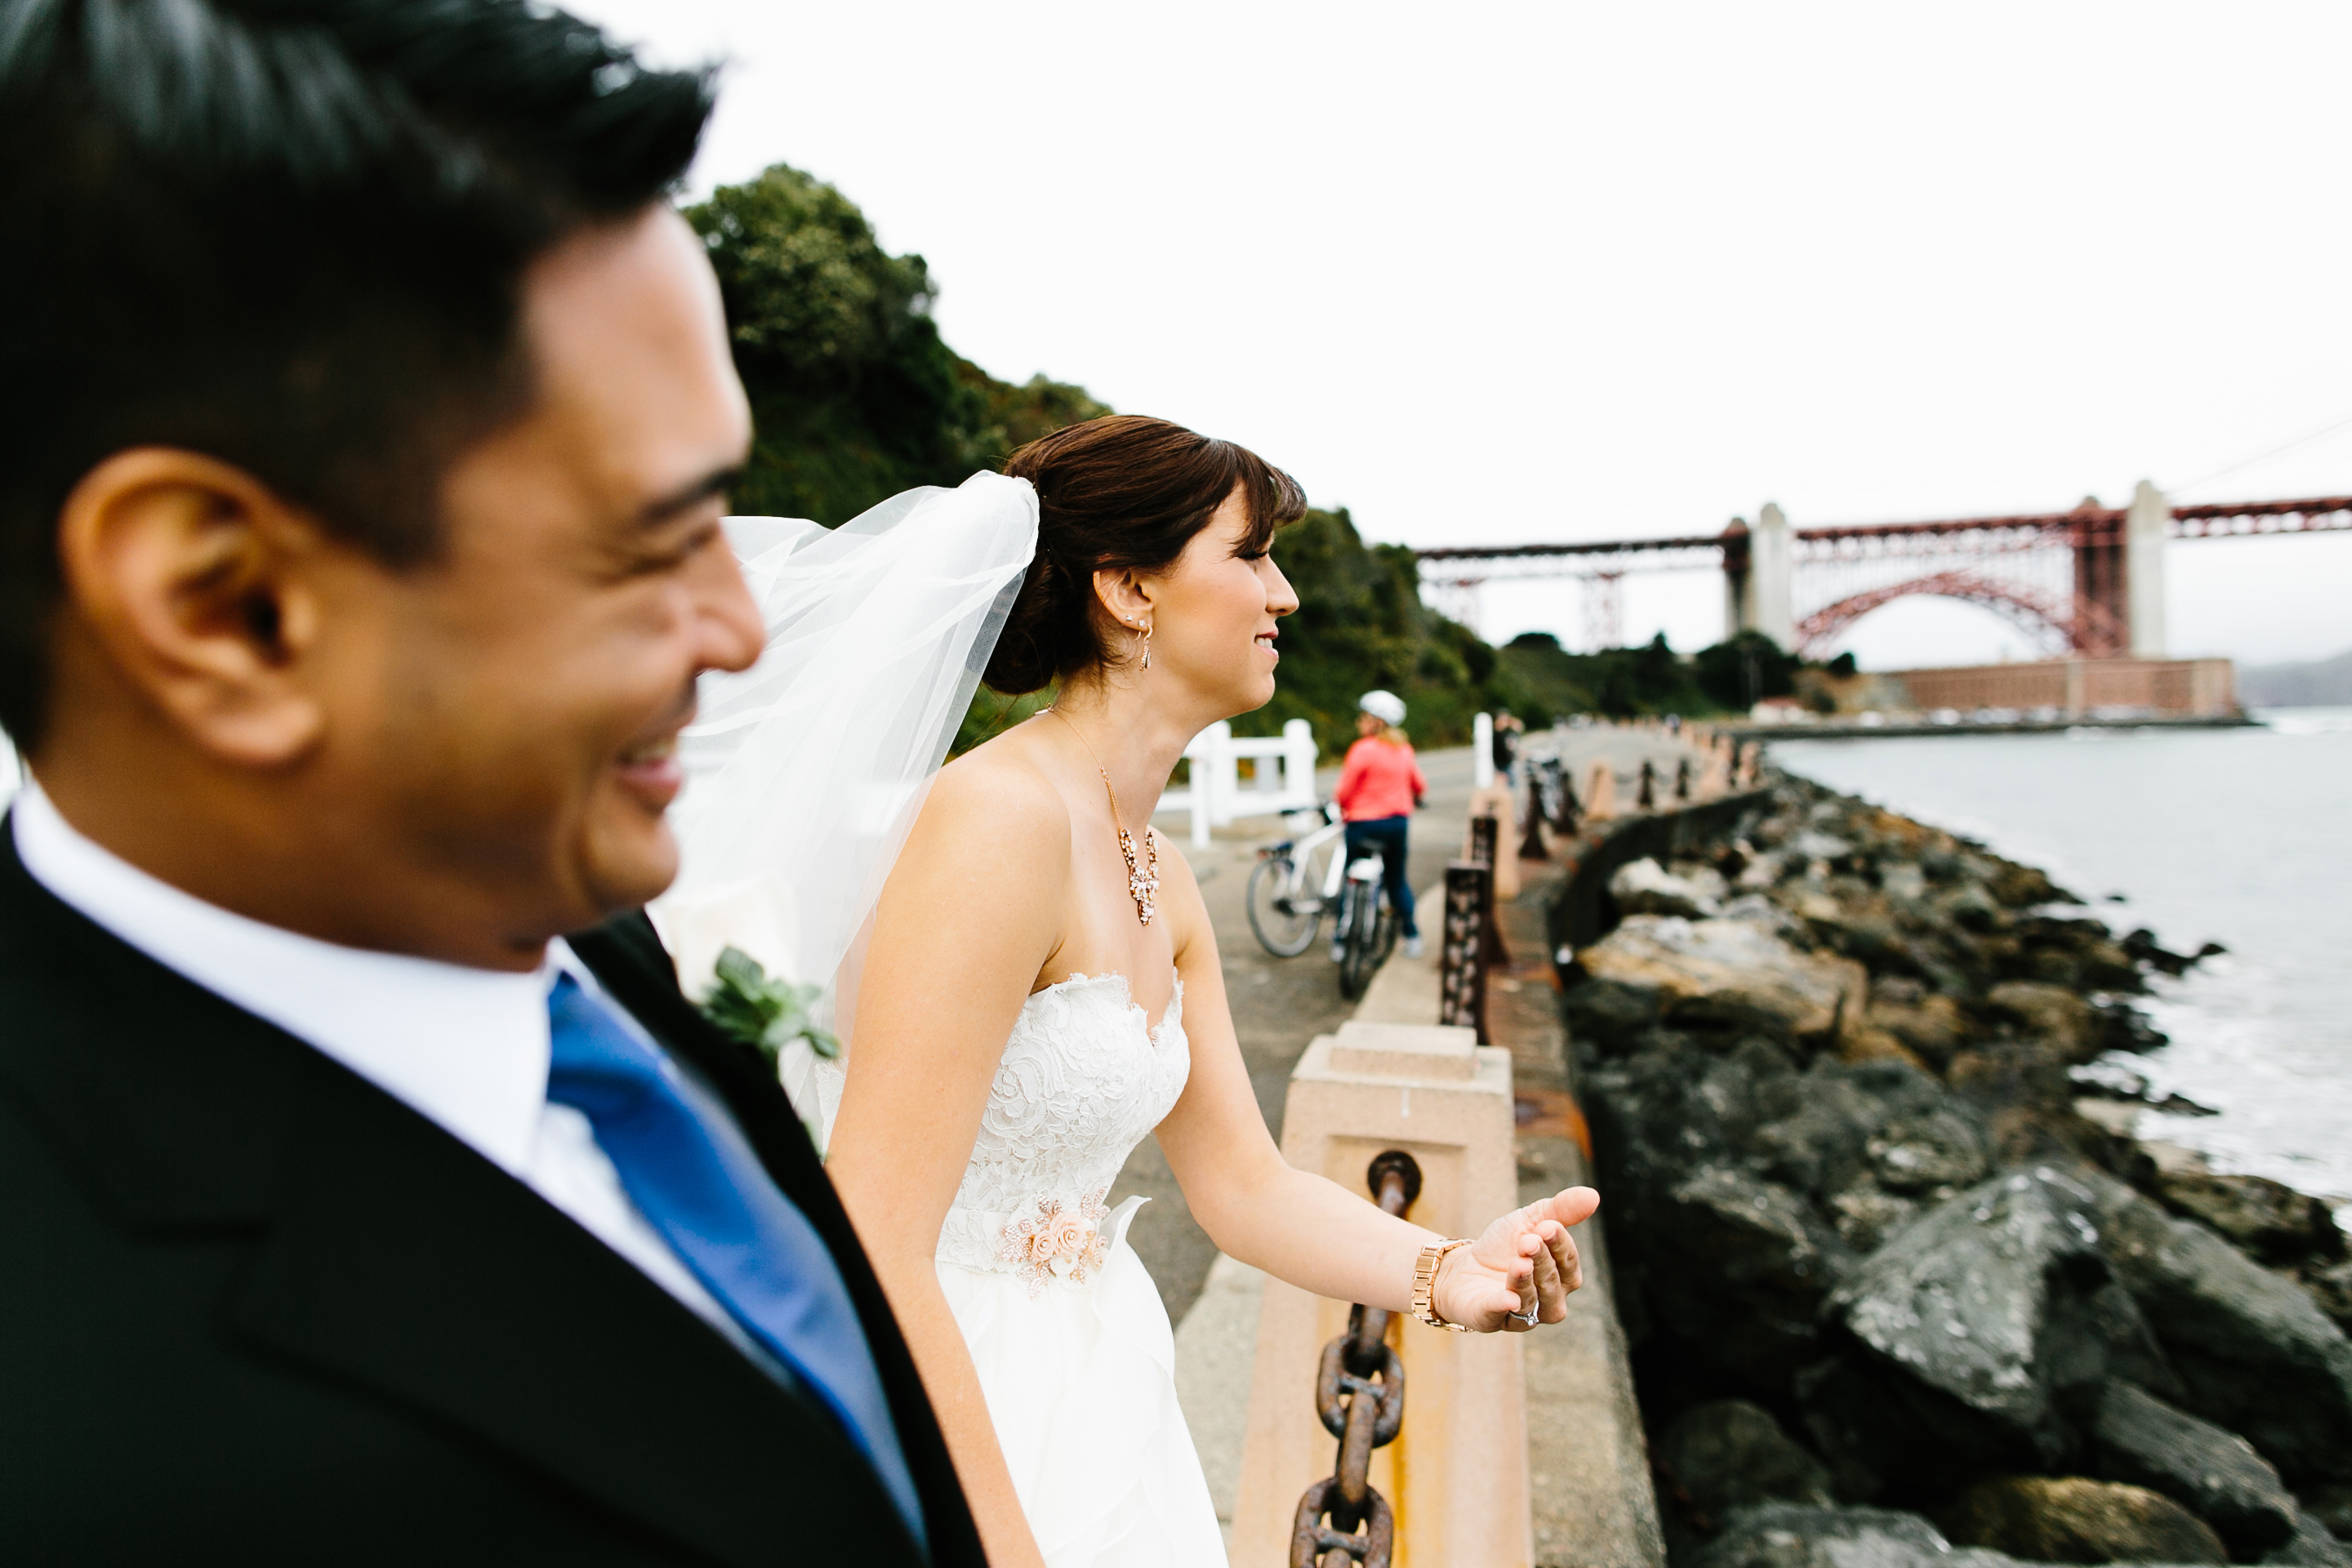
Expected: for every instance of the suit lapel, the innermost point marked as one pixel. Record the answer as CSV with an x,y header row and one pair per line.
x,y
629,959
401,1259
391,1258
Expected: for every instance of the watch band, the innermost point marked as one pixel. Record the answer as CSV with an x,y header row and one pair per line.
x,y
1425,1283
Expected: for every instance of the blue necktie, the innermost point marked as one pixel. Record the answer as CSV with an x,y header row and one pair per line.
x,y
692,1174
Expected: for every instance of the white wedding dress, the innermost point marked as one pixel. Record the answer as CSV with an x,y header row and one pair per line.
x,y
1066,1326
805,773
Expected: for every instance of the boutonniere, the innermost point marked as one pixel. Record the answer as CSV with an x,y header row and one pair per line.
x,y
765,1012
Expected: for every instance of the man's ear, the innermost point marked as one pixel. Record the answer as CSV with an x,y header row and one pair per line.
x,y
185,574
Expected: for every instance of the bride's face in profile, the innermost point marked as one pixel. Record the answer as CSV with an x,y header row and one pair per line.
x,y
1213,614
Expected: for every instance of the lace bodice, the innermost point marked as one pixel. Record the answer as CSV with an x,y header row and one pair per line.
x,y
1084,1079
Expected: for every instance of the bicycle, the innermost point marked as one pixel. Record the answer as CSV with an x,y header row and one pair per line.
x,y
1298,881
1287,905
1368,924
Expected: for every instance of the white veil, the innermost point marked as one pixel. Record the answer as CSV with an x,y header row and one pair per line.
x,y
804,772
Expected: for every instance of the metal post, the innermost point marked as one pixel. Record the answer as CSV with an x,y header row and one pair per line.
x,y
1531,847
1462,974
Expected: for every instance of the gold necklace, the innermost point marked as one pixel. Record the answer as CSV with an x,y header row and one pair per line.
x,y
1142,871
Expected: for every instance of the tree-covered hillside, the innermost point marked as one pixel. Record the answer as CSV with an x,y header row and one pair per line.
x,y
1653,678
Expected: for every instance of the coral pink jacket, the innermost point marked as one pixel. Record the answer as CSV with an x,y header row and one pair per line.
x,y
1379,779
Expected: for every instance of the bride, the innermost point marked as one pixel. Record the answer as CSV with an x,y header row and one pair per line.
x,y
1042,989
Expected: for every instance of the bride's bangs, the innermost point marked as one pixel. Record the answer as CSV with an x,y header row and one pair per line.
x,y
1275,499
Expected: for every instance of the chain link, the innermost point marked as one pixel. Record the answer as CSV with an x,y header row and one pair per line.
x,y
1360,1395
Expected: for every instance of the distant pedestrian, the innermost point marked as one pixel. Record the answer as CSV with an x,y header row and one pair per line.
x,y
1380,787
1508,732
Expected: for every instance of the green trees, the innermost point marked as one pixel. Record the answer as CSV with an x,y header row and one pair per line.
x,y
1622,682
854,395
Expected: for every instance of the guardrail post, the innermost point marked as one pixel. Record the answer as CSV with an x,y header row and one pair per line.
x,y
1601,791
1462,960
1531,846
1457,1474
1299,756
1482,752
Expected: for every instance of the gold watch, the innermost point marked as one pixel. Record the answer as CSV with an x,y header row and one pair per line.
x,y
1425,1284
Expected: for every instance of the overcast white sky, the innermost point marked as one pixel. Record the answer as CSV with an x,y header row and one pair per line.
x,y
1516,272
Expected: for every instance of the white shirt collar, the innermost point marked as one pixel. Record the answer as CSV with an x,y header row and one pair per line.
x,y
467,1047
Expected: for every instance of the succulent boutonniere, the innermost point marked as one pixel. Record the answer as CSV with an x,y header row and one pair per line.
x,y
766,1012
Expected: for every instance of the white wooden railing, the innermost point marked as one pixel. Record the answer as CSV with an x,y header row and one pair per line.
x,y
1284,763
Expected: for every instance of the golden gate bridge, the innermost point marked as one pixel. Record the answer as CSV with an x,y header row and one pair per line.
x,y
2088,583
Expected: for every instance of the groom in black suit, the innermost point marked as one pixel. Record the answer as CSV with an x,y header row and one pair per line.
x,y
369,420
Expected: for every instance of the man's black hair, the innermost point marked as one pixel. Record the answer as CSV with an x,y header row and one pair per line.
x,y
291,234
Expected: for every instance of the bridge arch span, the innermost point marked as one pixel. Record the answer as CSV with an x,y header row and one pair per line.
x,y
2058,625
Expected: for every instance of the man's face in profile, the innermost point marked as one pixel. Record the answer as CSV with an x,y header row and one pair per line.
x,y
520,733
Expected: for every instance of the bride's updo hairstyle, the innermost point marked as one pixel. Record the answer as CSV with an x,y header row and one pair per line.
x,y
1120,493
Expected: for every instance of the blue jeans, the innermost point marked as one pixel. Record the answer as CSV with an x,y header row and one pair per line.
x,y
1387,835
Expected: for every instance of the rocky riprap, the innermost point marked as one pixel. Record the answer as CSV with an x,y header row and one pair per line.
x,y
1896,1282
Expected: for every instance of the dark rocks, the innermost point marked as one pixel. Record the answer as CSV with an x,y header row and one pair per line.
x,y
1997,1300
1751,1263
2138,1439
1930,1024
2269,1219
1609,1014
2253,1352
2311,1546
1732,976
1786,1536
1838,1107
1866,1216
1939,1148
2050,1012
1729,1454
2331,1507
1644,888
2069,1519
2331,1291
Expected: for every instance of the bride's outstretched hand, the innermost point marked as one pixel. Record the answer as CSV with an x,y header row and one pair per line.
x,y
1526,1262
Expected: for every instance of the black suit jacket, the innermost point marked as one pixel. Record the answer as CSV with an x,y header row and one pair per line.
x,y
254,1309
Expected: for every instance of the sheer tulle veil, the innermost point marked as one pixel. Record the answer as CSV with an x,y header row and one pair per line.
x,y
804,772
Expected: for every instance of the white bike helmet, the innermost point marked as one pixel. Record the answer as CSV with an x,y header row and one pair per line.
x,y
1385,706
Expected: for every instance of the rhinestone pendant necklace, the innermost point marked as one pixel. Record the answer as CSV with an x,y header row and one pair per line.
x,y
1143,871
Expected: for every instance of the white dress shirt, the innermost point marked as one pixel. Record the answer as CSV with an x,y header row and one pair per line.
x,y
466,1047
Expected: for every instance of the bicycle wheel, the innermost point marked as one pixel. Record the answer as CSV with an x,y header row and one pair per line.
x,y
1282,918
1388,927
1359,936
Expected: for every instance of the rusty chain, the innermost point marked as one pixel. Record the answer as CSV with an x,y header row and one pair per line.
x,y
1359,1394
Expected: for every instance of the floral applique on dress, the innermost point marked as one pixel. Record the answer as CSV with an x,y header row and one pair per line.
x,y
1057,1243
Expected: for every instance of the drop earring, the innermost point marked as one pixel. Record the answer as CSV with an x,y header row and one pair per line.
x,y
1145,643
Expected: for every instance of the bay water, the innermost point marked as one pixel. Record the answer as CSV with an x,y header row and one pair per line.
x,y
2238,837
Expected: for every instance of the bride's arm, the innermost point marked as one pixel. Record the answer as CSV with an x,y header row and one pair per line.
x,y
968,917
1299,1227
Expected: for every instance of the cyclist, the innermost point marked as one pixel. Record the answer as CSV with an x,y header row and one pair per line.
x,y
1380,786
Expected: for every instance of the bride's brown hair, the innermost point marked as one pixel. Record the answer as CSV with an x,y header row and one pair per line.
x,y
1120,493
